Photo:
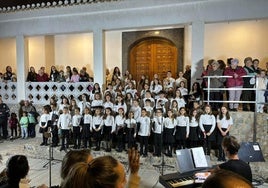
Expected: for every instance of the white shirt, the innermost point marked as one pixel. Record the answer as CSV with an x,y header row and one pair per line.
x,y
137,111
206,119
193,122
44,119
183,121
76,120
87,119
96,120
119,120
64,121
109,122
82,105
158,124
169,123
130,122
181,102
144,126
117,106
96,103
224,123
108,105
156,89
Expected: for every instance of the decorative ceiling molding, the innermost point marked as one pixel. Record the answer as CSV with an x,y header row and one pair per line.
x,y
19,5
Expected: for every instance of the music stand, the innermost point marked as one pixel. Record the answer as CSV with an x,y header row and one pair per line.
x,y
162,164
250,152
51,158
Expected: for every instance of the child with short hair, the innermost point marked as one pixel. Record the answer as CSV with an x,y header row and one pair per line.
x,y
86,134
76,119
24,125
64,123
13,124
144,132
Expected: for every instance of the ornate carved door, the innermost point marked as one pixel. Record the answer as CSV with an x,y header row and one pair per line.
x,y
152,56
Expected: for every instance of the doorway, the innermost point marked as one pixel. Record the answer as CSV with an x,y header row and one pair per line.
x,y
153,56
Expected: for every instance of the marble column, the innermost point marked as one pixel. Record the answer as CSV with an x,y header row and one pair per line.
x,y
22,66
98,56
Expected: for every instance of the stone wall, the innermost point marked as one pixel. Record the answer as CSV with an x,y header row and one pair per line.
x,y
242,130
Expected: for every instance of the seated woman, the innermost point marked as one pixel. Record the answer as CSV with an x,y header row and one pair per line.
x,y
16,172
103,172
231,146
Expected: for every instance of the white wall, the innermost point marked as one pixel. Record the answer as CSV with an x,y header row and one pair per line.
x,y
7,54
75,50
113,49
237,39
36,48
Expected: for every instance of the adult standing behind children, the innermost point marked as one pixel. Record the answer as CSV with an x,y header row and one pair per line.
x,y
4,114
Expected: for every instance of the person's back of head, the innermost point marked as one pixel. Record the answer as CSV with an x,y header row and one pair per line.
x,y
226,179
72,157
17,168
101,172
231,144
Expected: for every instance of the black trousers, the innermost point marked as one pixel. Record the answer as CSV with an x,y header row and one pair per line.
x,y
77,136
144,145
3,126
65,138
157,143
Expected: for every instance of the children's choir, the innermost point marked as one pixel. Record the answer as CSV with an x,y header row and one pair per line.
x,y
154,119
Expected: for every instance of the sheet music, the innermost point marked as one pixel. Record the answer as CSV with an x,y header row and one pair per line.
x,y
199,157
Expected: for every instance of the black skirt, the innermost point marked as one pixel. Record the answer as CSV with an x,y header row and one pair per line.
x,y
86,131
219,136
180,133
168,136
194,134
212,136
107,133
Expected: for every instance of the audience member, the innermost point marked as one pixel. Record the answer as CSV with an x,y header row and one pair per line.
x,y
234,82
54,74
32,75
249,82
16,172
216,82
103,172
226,179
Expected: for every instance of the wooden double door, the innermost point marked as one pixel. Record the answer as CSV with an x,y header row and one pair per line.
x,y
152,56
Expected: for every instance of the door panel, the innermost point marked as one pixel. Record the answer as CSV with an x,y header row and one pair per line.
x,y
152,56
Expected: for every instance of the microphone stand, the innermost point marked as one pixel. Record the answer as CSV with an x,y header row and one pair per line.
x,y
162,164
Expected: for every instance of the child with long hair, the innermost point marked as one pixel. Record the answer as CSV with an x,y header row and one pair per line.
x,y
43,124
207,125
194,129
224,124
13,125
108,128
96,127
131,126
119,130
182,129
169,126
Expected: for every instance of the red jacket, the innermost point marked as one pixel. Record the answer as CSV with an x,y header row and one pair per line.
x,y
234,82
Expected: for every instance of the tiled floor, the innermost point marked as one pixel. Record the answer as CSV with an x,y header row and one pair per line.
x,y
39,172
